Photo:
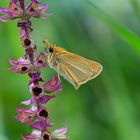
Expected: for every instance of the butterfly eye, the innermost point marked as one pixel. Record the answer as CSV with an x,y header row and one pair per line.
x,y
51,50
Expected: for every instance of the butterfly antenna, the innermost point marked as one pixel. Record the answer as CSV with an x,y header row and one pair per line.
x,y
46,42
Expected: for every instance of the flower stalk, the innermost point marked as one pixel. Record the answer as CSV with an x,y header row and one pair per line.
x,y
37,115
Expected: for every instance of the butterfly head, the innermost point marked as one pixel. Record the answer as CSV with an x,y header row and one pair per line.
x,y
49,48
52,49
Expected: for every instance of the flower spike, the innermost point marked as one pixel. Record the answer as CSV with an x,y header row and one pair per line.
x,y
36,116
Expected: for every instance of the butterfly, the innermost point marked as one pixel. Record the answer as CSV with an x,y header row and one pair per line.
x,y
74,68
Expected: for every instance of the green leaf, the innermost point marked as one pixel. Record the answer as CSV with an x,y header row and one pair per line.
x,y
130,37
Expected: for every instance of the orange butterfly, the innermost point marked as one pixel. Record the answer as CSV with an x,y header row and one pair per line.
x,y
74,68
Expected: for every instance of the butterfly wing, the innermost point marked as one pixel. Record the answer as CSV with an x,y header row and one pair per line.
x,y
76,69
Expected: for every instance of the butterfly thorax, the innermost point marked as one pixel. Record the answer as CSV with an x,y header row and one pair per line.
x,y
58,50
53,56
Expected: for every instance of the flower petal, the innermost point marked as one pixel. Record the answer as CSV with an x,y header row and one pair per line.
x,y
22,61
21,66
43,7
53,85
41,124
40,13
14,10
4,10
33,107
26,116
5,18
44,99
28,102
13,62
32,7
41,61
35,77
21,69
59,134
29,137
36,134
38,125
33,10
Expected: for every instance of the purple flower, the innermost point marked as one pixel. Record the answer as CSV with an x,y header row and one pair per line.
x,y
34,136
41,124
53,85
15,10
22,24
12,12
33,10
21,66
43,113
58,134
26,116
24,66
36,90
29,137
28,102
40,61
35,77
43,99
26,41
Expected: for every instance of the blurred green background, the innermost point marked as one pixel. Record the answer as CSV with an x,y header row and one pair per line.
x,y
106,108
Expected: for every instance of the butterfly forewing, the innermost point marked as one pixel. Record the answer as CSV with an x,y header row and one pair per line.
x,y
81,63
76,69
68,75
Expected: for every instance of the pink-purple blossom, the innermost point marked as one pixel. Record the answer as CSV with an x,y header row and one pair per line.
x,y
26,116
25,66
21,66
34,10
53,85
58,134
14,11
41,124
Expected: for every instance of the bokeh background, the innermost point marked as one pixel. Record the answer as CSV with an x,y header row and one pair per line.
x,y
106,108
